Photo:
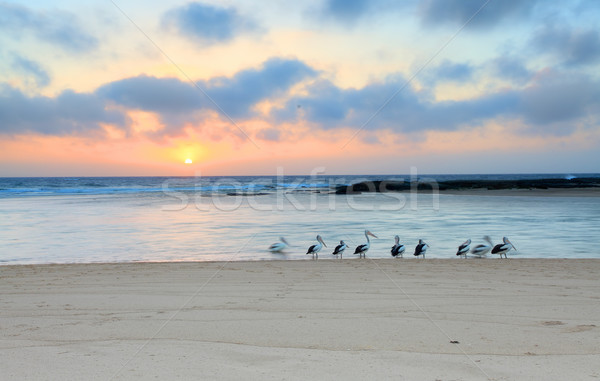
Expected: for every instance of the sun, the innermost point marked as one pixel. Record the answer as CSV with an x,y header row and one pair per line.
x,y
188,161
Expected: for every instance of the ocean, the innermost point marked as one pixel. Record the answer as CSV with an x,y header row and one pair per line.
x,y
131,219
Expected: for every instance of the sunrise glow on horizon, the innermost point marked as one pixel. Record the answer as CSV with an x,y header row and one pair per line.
x,y
355,87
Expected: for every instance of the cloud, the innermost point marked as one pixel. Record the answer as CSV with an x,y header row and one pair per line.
x,y
346,10
270,134
507,67
556,100
208,24
504,67
575,47
161,95
32,70
349,12
175,101
57,27
552,104
238,94
458,12
69,113
454,71
235,95
328,106
449,71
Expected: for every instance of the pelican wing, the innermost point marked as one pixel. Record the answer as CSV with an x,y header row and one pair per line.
x,y
463,249
498,248
480,249
397,250
420,249
360,249
339,248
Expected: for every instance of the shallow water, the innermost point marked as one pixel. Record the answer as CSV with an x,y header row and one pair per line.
x,y
193,226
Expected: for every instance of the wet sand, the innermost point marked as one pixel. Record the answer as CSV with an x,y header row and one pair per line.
x,y
406,319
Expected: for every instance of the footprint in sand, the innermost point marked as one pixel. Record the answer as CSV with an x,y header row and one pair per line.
x,y
581,328
553,322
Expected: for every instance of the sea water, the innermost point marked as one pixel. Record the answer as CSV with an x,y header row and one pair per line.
x,y
128,219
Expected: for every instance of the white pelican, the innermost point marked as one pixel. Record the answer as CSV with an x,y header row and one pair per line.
x,y
482,250
503,248
463,249
421,248
361,250
339,249
314,249
278,247
398,249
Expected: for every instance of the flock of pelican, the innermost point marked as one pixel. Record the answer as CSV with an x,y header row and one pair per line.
x,y
482,249
398,249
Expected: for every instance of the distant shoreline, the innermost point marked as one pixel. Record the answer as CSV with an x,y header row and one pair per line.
x,y
551,192
587,186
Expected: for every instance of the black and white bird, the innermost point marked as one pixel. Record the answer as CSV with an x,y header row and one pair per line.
x,y
421,249
361,250
397,249
339,249
503,248
278,247
464,248
314,249
481,250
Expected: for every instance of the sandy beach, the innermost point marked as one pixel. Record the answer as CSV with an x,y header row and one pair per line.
x,y
404,319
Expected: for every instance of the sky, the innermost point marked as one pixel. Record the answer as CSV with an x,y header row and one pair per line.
x,y
136,88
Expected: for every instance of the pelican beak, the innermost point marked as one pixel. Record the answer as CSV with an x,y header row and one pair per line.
x,y
321,240
372,235
513,246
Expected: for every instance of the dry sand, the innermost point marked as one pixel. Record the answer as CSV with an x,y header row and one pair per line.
x,y
527,319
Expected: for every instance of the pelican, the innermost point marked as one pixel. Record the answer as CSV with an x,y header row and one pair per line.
x,y
421,248
361,250
339,249
482,250
463,249
503,248
398,249
314,249
278,247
